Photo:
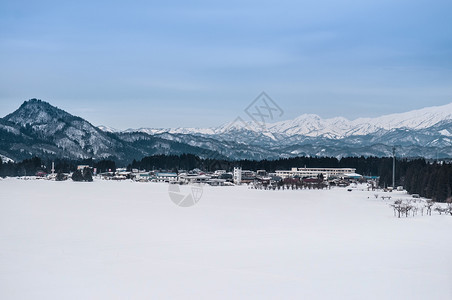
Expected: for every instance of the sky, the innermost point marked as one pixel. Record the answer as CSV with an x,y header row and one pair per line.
x,y
132,64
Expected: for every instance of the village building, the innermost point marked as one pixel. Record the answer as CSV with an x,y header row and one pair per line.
x,y
315,172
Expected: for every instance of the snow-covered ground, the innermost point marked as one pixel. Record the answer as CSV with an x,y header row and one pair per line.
x,y
125,240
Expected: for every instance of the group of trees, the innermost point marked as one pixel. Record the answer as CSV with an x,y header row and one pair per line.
x,y
82,175
26,167
68,166
433,181
35,165
169,162
292,184
413,206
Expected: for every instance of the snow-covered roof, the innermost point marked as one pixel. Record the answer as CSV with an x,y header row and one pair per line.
x,y
353,175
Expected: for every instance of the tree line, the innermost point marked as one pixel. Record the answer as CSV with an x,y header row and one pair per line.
x,y
433,181
35,165
363,165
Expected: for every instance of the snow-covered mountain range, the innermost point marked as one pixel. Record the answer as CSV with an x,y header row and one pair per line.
x,y
38,128
310,125
425,132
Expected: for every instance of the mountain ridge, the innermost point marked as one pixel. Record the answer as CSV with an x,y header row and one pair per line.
x,y
38,128
337,127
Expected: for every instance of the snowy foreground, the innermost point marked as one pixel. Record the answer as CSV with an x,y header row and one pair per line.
x,y
126,240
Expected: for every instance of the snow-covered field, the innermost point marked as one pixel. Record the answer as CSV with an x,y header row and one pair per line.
x,y
125,240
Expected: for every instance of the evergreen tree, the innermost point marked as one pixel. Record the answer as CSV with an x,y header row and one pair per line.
x,y
77,176
87,174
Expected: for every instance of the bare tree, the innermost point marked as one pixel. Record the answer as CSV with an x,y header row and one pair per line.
x,y
449,205
401,208
442,210
429,204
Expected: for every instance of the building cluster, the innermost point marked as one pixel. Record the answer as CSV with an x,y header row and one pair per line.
x,y
295,178
329,176
217,178
325,176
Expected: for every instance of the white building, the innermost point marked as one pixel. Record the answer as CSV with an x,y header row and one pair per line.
x,y
167,177
219,172
314,172
237,175
193,178
216,182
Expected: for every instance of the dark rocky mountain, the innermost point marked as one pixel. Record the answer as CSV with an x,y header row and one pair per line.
x,y
38,128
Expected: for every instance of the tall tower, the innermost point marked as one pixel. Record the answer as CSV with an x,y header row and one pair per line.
x,y
53,167
393,167
237,177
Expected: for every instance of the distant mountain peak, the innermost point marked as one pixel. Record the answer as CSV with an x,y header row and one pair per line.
x,y
107,129
36,111
36,102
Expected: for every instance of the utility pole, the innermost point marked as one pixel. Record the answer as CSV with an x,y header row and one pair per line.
x,y
393,167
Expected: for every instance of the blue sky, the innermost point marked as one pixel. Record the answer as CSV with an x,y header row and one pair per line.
x,y
200,63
